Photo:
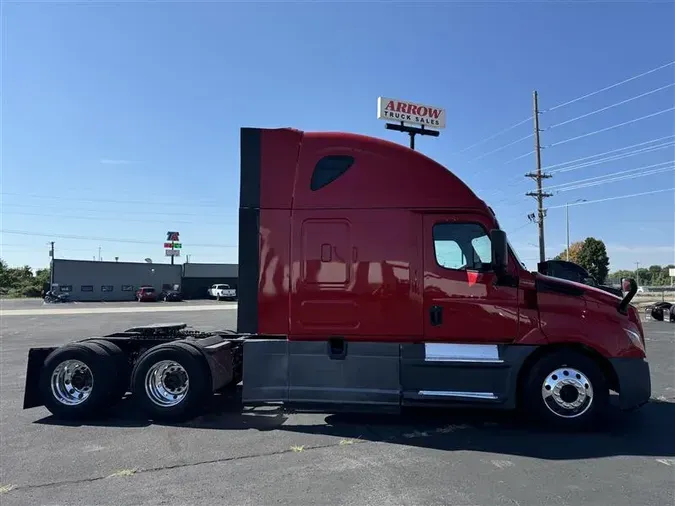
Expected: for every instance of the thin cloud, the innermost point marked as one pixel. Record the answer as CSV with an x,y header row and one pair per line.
x,y
109,161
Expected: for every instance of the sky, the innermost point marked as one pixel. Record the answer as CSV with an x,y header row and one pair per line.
x,y
120,121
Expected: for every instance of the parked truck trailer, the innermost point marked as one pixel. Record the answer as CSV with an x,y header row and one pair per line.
x,y
370,278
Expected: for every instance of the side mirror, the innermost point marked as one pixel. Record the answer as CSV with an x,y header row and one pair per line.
x,y
500,251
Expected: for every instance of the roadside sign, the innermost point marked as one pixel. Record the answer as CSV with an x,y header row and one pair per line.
x,y
392,109
173,245
172,252
172,236
671,272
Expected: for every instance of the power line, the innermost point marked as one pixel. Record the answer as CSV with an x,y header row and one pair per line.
x,y
36,247
611,127
615,179
116,211
613,198
519,157
144,202
500,148
612,158
494,135
610,175
112,218
609,87
610,106
104,239
608,152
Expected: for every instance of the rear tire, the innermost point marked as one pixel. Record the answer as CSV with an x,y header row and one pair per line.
x,y
566,390
171,382
122,368
77,381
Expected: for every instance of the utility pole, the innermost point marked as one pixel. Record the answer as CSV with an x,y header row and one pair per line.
x,y
637,274
51,265
99,253
540,194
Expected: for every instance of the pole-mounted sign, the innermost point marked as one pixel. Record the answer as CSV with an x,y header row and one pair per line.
x,y
172,246
402,111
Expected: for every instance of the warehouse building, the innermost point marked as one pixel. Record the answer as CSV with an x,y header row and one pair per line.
x,y
87,280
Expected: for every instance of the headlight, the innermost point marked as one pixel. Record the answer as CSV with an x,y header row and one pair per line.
x,y
635,339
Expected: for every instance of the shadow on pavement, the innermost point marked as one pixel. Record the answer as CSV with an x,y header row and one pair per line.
x,y
645,432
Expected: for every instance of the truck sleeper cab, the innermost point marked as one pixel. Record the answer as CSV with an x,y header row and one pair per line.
x,y
383,281
372,278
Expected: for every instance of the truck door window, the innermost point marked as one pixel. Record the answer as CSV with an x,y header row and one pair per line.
x,y
462,246
328,169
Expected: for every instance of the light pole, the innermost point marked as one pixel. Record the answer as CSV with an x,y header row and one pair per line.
x,y
567,219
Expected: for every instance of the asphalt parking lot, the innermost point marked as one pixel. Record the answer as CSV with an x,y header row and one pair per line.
x,y
265,456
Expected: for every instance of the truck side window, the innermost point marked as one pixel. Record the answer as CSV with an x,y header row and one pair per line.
x,y
328,169
462,246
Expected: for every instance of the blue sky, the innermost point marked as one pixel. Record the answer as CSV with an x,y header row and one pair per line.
x,y
121,121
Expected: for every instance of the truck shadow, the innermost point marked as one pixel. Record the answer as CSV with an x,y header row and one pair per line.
x,y
646,432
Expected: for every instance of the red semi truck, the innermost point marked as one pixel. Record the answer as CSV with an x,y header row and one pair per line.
x,y
370,278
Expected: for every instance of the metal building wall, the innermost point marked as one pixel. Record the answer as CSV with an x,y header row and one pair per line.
x,y
112,281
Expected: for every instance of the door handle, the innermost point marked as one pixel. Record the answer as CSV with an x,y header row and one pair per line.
x,y
436,316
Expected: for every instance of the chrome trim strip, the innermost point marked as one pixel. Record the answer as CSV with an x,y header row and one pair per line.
x,y
467,395
453,352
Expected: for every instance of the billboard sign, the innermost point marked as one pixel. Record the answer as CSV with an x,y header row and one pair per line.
x,y
172,252
172,236
392,109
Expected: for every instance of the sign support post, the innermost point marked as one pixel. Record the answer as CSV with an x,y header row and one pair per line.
x,y
411,131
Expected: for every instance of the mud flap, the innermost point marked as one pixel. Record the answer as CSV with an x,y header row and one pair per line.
x,y
36,359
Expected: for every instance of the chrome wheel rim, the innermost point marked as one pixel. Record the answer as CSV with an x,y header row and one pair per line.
x,y
567,392
72,382
167,383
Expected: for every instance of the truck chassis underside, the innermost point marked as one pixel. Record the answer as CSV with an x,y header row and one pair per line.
x,y
332,375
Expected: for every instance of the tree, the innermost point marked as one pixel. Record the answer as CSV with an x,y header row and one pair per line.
x,y
575,248
20,281
593,257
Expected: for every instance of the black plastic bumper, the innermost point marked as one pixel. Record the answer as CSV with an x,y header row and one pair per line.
x,y
635,383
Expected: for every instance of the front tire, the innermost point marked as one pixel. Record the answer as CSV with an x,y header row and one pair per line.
x,y
171,382
566,390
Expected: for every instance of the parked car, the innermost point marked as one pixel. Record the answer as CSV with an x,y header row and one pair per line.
x,y
146,294
171,296
222,291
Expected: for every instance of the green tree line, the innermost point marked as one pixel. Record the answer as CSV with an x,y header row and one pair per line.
x,y
21,281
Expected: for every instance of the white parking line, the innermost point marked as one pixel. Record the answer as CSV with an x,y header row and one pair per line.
x,y
108,310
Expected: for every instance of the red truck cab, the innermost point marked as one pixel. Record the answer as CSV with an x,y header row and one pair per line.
x,y
373,277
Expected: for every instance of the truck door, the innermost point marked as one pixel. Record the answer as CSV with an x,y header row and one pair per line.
x,y
462,303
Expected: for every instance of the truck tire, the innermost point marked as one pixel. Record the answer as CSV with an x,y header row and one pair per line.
x,y
77,381
171,382
566,390
122,368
